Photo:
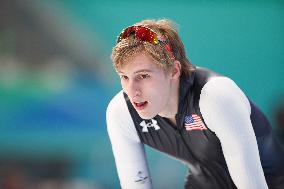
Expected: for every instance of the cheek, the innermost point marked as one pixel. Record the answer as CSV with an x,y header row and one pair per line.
x,y
161,91
164,85
123,86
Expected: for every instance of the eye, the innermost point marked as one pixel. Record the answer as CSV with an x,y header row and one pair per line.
x,y
144,76
123,77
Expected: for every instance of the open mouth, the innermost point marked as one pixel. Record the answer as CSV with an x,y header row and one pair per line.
x,y
140,105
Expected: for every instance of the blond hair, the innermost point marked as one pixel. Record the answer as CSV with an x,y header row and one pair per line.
x,y
130,47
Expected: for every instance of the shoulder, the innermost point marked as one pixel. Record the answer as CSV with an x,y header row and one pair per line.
x,y
221,100
222,90
117,108
116,102
119,120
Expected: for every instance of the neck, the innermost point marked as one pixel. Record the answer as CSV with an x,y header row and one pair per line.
x,y
172,106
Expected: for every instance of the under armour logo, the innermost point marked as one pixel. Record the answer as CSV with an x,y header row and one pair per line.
x,y
145,125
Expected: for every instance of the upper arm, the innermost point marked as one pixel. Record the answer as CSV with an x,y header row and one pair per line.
x,y
128,151
226,111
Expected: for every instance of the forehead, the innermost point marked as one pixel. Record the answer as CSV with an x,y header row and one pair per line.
x,y
140,62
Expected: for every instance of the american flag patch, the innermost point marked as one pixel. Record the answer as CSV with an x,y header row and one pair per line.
x,y
194,122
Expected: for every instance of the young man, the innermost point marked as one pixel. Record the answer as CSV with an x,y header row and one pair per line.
x,y
190,113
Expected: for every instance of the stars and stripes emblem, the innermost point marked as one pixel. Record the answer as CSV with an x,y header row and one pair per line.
x,y
194,122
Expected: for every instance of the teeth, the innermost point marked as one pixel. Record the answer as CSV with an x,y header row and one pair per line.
x,y
139,103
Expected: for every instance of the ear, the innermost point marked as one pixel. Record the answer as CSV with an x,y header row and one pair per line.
x,y
176,70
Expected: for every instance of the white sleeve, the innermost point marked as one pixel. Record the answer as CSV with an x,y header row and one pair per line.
x,y
128,151
226,111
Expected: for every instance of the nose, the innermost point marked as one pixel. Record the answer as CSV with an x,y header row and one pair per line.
x,y
133,90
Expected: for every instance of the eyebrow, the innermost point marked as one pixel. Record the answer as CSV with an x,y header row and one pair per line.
x,y
138,71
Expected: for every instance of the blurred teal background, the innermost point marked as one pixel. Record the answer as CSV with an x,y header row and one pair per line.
x,y
56,79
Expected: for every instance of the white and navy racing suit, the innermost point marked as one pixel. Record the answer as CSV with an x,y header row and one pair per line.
x,y
221,135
